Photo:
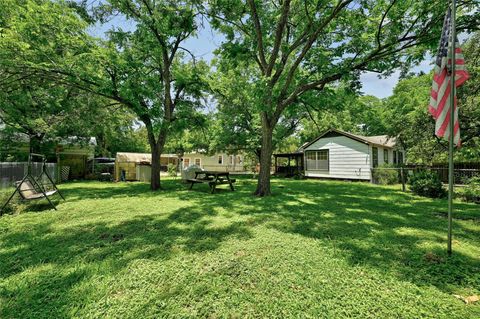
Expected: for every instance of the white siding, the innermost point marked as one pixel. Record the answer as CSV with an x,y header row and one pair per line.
x,y
348,158
210,163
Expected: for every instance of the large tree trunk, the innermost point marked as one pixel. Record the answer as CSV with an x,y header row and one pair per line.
x,y
155,177
157,150
263,185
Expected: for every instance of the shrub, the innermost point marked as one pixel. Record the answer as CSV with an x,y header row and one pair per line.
x,y
471,192
426,183
172,170
385,175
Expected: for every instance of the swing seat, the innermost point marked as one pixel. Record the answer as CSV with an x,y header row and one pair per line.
x,y
28,192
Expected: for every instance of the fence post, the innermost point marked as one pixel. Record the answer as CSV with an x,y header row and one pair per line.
x,y
402,176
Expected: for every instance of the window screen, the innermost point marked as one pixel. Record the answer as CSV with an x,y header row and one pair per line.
x,y
317,160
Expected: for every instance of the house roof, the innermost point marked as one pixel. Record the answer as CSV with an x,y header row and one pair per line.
x,y
379,140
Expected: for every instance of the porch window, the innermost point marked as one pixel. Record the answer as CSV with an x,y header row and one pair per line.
x,y
400,158
385,156
395,157
375,157
317,160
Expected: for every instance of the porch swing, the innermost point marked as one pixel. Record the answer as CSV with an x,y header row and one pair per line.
x,y
31,187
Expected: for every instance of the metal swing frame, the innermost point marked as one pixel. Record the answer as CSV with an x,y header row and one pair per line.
x,y
36,183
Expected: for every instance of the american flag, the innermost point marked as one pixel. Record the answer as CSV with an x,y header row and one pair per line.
x,y
440,96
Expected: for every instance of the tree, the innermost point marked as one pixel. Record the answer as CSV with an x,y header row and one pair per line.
x,y
236,127
34,35
469,99
300,46
408,119
344,109
29,103
146,70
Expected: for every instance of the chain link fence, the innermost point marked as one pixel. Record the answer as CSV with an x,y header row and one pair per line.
x,y
10,172
400,175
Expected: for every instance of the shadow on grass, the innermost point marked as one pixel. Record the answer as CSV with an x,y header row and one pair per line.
x,y
90,246
370,226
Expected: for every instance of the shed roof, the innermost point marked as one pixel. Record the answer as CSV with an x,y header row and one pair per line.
x,y
379,140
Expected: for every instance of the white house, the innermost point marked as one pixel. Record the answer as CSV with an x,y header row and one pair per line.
x,y
217,162
338,154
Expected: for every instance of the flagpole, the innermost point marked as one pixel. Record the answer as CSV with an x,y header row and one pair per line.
x,y
451,128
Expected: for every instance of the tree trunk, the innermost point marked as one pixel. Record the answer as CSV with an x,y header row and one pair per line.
x,y
36,143
155,177
263,185
156,147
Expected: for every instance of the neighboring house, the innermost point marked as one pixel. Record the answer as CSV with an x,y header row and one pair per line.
x,y
218,162
71,152
135,166
342,155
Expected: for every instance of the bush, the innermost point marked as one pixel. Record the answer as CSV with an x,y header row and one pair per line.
x,y
426,183
172,170
471,192
385,175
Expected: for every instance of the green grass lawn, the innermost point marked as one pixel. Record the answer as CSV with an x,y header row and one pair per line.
x,y
319,249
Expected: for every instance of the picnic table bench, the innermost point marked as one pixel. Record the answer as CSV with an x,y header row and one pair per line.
x,y
212,179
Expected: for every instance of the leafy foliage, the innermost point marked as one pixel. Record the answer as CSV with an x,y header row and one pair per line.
x,y
471,191
427,183
385,175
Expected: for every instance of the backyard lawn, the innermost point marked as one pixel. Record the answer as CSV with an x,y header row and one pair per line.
x,y
318,249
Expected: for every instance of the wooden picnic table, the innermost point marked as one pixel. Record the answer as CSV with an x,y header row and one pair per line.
x,y
212,179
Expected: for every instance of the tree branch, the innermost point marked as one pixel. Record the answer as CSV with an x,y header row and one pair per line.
x,y
278,36
259,35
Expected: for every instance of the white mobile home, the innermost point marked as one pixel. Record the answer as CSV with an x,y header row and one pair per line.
x,y
218,162
342,155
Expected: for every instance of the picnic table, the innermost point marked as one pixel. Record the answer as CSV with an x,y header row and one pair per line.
x,y
212,179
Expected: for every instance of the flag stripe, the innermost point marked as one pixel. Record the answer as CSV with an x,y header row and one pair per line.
x,y
439,106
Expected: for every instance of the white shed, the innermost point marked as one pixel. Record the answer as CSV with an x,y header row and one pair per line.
x,y
342,155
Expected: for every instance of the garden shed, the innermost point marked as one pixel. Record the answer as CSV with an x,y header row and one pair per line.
x,y
136,166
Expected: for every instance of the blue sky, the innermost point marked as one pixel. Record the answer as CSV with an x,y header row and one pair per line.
x,y
207,40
